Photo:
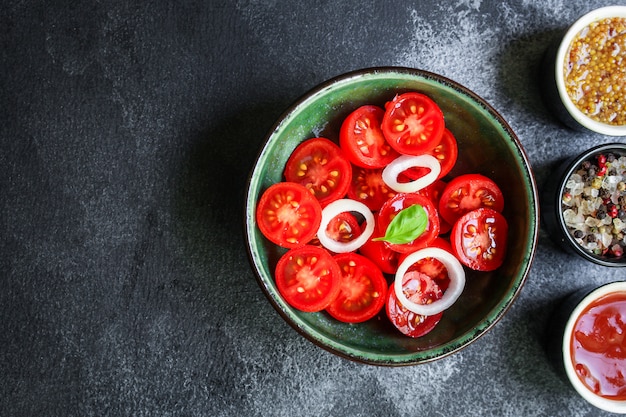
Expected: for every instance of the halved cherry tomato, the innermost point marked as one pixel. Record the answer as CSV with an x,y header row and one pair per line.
x,y
288,214
412,174
420,289
468,192
413,124
379,253
344,227
363,289
308,278
432,267
369,188
434,192
399,202
321,167
362,140
479,239
446,152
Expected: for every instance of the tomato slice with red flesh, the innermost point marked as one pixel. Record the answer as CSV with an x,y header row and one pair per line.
x,y
369,188
363,289
402,201
433,267
308,278
288,214
413,123
479,239
320,166
412,174
362,140
379,253
344,227
422,289
446,152
434,192
468,192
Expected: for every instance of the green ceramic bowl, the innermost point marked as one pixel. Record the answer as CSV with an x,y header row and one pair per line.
x,y
487,145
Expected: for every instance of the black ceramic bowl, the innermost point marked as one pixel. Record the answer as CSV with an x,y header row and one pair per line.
x,y
552,207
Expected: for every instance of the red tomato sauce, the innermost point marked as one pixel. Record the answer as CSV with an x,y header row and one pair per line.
x,y
598,346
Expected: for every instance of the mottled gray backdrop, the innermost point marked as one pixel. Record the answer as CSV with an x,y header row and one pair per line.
x,y
127,130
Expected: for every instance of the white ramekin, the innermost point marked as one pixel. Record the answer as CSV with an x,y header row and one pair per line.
x,y
594,399
561,54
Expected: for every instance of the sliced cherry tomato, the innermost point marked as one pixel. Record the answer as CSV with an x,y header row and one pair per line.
x,y
413,124
468,192
362,140
479,239
434,192
441,243
288,214
379,253
432,267
308,278
399,202
369,188
363,289
423,290
344,227
321,167
412,174
446,152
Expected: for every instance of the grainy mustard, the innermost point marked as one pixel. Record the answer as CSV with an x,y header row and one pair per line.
x,y
595,71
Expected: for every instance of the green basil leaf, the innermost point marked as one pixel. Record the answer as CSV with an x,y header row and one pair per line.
x,y
407,226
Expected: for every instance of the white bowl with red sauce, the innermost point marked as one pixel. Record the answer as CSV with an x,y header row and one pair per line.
x,y
594,347
577,102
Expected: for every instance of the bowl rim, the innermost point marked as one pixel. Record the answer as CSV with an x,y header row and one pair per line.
x,y
606,404
572,31
493,316
571,167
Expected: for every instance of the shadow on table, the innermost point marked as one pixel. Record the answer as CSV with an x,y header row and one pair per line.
x,y
519,79
210,187
520,72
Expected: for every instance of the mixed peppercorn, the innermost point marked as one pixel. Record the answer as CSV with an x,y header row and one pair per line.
x,y
594,205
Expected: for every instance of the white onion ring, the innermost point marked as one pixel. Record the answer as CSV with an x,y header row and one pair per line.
x,y
334,209
456,273
404,162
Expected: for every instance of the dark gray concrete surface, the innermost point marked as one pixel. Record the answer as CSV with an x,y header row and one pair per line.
x,y
127,130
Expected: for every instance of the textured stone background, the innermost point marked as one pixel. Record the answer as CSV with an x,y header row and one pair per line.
x,y
127,130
